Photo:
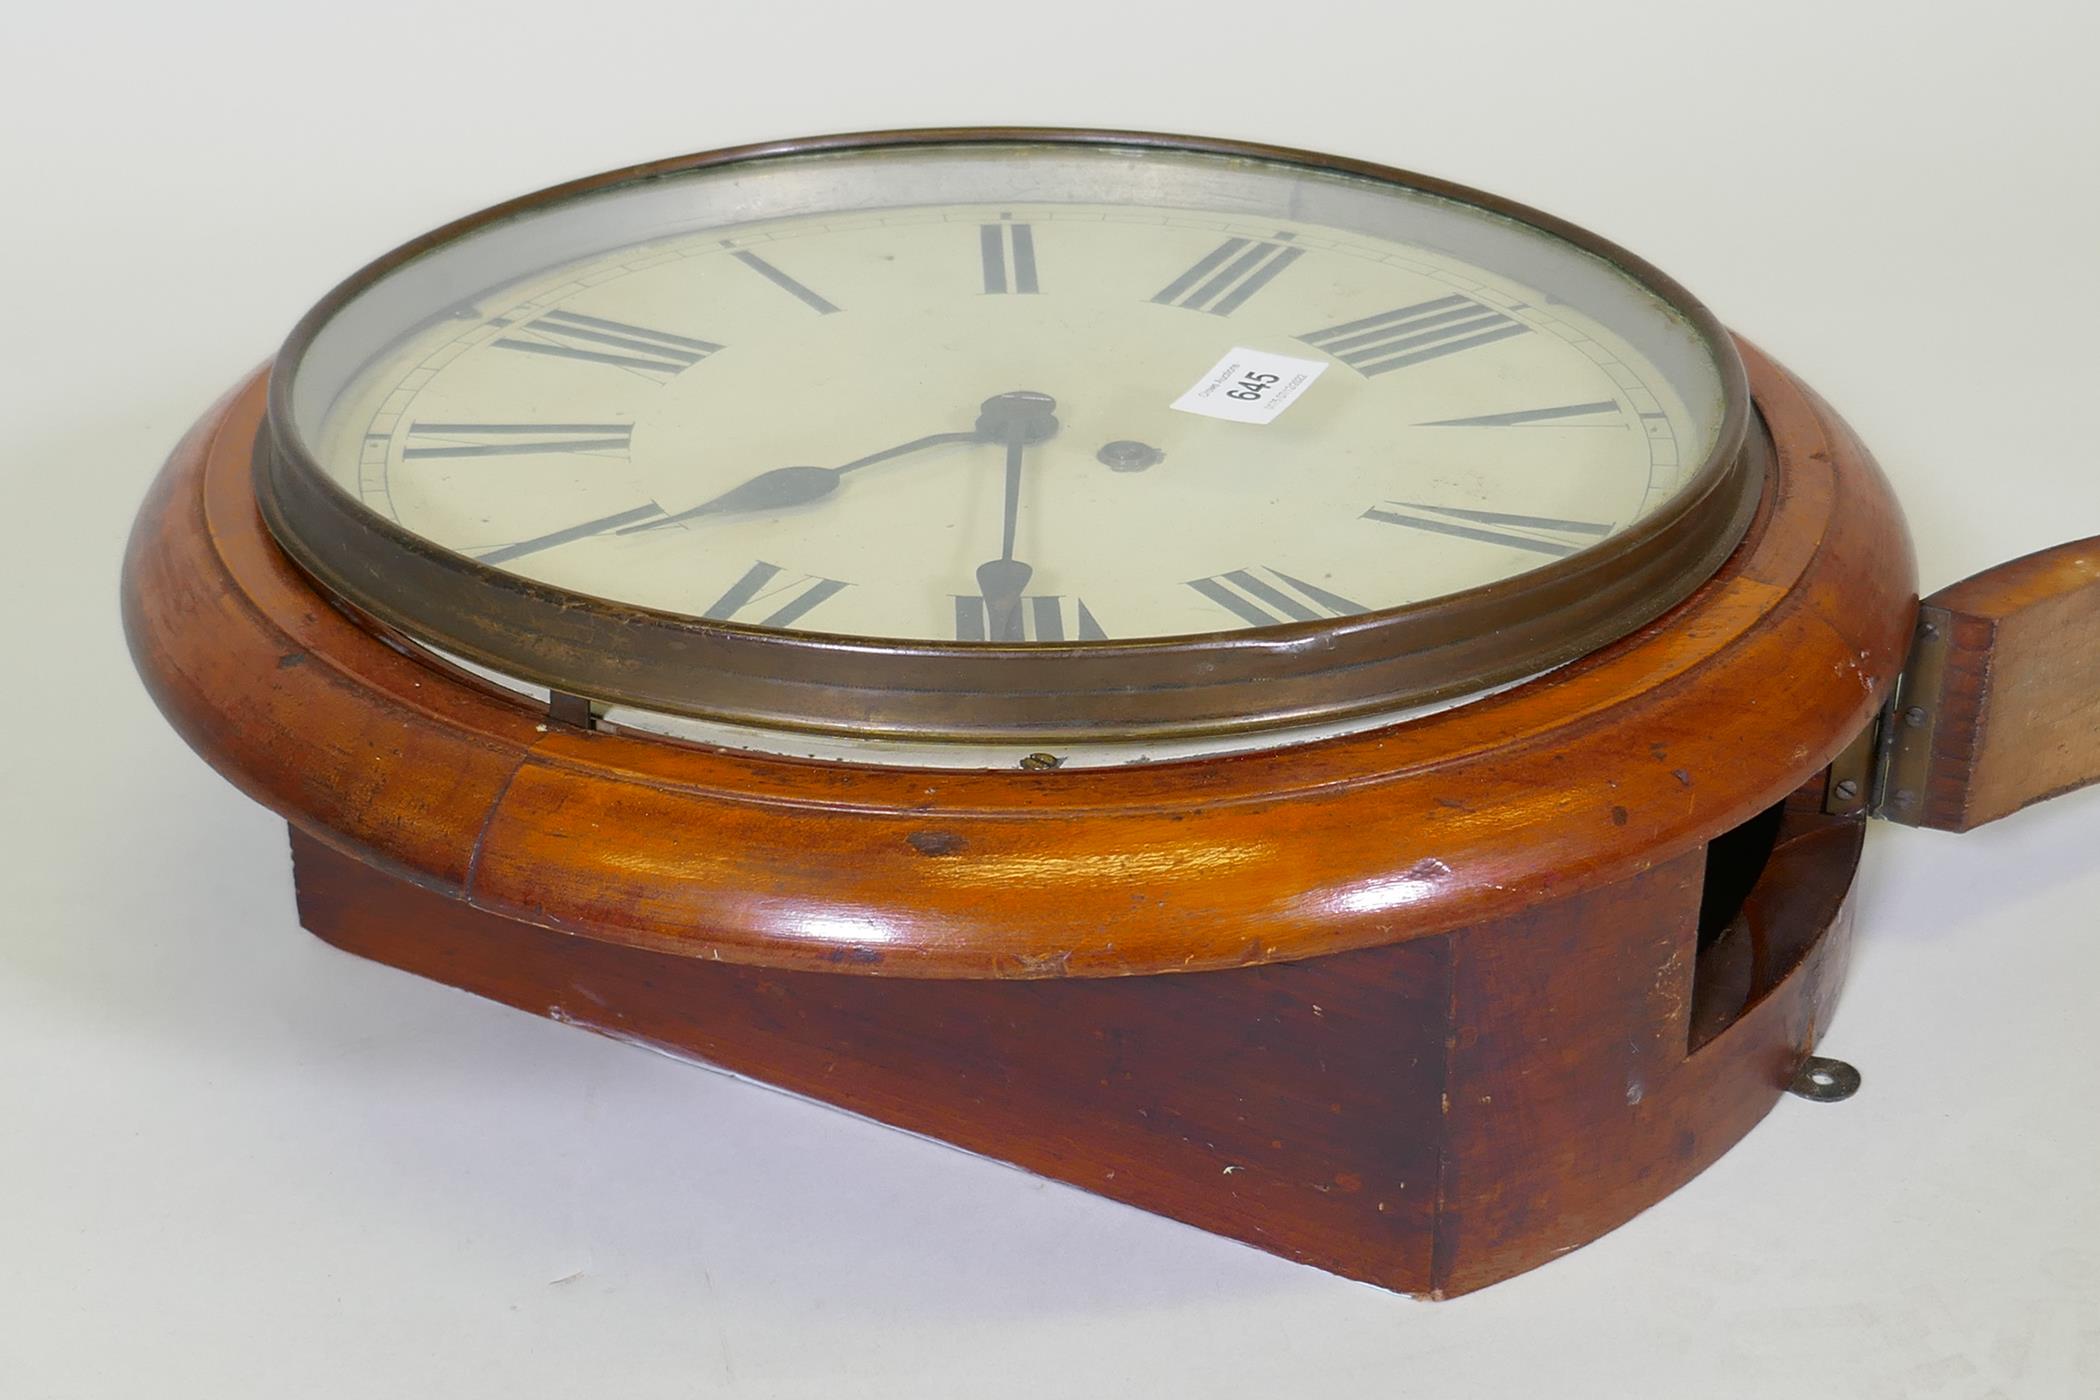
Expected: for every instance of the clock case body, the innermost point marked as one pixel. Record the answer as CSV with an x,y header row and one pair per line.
x,y
1426,1005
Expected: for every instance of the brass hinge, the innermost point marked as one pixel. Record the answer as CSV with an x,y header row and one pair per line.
x,y
1908,726
1848,789
1883,772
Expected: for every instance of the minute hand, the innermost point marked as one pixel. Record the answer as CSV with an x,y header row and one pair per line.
x,y
796,486
1017,419
1002,581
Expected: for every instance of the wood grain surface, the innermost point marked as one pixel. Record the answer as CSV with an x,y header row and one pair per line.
x,y
2006,711
1431,1116
1623,761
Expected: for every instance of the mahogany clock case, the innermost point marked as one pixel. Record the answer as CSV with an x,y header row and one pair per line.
x,y
1426,1005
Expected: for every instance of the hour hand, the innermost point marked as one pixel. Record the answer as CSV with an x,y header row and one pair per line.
x,y
774,490
784,487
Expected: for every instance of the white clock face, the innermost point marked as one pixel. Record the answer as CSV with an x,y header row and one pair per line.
x,y
1140,402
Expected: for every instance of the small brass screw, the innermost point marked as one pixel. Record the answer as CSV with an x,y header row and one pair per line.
x,y
1041,762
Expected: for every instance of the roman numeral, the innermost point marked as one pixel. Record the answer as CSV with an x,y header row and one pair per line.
x,y
514,439
1566,413
1228,274
1040,618
781,280
1541,534
571,335
773,597
1008,251
1258,602
1409,335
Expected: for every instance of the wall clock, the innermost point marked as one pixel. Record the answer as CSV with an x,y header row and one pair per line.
x,y
1304,698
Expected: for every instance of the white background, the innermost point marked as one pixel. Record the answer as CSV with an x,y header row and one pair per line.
x,y
234,1162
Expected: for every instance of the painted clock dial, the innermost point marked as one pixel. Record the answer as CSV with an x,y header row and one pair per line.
x,y
1013,394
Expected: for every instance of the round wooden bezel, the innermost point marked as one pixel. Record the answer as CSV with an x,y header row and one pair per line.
x,y
1626,758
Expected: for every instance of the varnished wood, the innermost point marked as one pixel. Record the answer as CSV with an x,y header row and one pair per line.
x,y
1577,1098
1624,761
1426,1005
1430,1116
2006,707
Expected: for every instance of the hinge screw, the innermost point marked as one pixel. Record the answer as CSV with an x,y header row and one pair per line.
x,y
1915,717
1847,790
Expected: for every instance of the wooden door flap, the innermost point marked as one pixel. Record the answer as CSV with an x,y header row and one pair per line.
x,y
1999,706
